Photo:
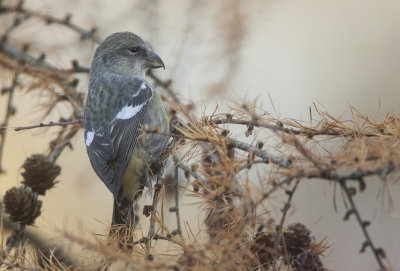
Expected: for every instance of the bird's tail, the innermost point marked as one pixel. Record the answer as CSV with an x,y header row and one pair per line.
x,y
123,221
118,218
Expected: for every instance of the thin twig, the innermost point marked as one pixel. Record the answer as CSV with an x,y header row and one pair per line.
x,y
48,19
292,140
25,57
304,131
156,236
257,152
234,143
18,20
285,210
150,235
176,208
9,112
363,225
51,123
355,175
58,149
38,68
186,169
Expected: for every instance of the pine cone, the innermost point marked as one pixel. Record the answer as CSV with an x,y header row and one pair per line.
x,y
307,261
263,247
40,173
297,239
22,205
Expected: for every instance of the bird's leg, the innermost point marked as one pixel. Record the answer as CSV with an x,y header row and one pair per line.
x,y
132,221
156,197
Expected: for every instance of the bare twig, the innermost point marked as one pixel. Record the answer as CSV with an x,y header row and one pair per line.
x,y
48,19
150,235
257,152
50,124
156,236
17,22
304,131
186,169
60,145
377,252
234,143
279,230
9,112
176,207
355,175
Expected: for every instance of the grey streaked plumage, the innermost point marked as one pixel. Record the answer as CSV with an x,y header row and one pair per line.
x,y
119,103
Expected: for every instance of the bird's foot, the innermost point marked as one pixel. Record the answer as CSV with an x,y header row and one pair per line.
x,y
175,123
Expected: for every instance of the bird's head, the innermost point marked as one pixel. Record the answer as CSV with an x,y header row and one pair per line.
x,y
127,53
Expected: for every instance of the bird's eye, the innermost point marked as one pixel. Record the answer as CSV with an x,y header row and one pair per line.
x,y
133,49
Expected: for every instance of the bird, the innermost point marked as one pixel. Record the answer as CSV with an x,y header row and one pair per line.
x,y
120,104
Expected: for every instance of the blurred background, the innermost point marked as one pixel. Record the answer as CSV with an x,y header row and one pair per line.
x,y
295,53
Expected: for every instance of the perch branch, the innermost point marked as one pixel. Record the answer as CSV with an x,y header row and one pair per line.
x,y
50,124
304,131
234,143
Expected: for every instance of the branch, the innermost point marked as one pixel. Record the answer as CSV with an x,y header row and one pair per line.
x,y
9,112
187,170
285,210
48,19
377,252
24,57
304,131
60,146
356,175
85,34
51,123
234,143
157,236
21,55
47,74
66,22
257,152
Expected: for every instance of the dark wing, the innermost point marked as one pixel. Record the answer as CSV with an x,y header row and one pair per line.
x,y
111,138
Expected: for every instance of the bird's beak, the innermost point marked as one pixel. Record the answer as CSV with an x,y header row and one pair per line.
x,y
153,61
